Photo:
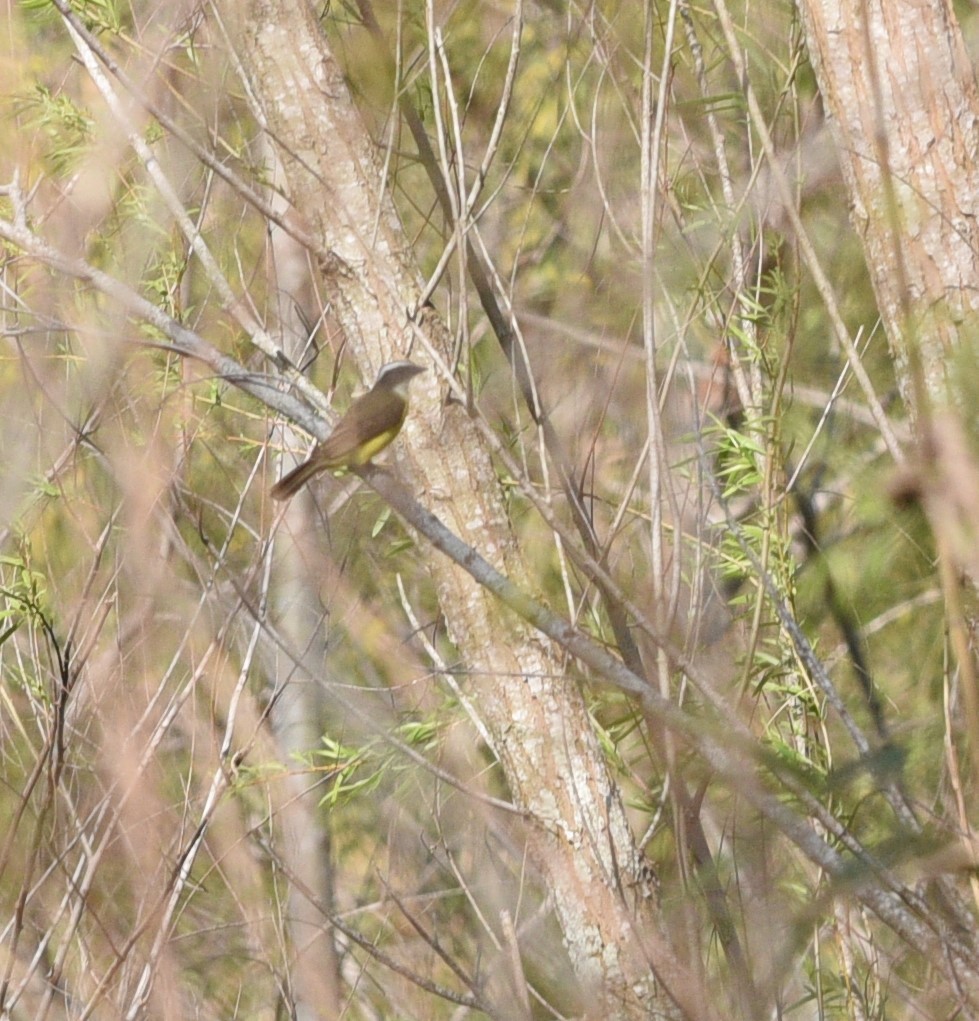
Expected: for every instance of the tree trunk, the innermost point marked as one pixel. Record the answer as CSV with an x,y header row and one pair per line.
x,y
901,96
297,714
579,835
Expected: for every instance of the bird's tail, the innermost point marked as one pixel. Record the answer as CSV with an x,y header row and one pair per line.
x,y
290,484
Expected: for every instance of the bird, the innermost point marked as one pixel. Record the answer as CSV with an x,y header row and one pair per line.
x,y
369,425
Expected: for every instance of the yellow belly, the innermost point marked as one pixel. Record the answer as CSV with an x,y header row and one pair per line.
x,y
367,450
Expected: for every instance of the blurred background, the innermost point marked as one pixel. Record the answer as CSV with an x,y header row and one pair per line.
x,y
246,764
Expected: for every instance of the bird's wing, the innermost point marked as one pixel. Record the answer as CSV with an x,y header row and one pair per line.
x,y
372,416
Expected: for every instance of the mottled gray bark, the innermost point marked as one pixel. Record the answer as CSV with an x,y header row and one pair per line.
x,y
901,97
579,835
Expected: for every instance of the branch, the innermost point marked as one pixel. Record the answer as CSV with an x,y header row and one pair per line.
x,y
725,746
183,341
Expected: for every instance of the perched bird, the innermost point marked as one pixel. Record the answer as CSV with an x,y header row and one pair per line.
x,y
370,424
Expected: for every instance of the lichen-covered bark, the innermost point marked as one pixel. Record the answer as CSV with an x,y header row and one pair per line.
x,y
580,838
901,96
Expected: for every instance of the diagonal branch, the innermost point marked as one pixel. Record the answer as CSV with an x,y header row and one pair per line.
x,y
726,747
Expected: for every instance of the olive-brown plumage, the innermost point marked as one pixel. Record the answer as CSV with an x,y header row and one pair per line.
x,y
369,425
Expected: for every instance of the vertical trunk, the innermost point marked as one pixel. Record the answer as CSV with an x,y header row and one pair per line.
x,y
579,837
297,715
901,96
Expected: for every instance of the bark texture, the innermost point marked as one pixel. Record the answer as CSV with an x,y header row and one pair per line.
x,y
298,711
901,96
580,839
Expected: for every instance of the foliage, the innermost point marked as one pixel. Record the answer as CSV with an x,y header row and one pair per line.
x,y
146,655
